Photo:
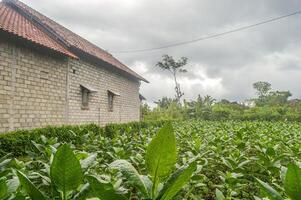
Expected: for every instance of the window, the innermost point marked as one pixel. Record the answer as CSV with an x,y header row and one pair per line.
x,y
110,101
86,91
85,98
111,97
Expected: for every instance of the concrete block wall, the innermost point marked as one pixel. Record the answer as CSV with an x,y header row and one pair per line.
x,y
34,88
38,90
5,77
126,107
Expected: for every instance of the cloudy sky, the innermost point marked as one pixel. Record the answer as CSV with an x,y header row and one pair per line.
x,y
223,67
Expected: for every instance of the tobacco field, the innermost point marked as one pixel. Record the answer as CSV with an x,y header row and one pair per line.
x,y
180,160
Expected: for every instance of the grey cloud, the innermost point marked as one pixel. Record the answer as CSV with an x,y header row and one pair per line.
x,y
236,60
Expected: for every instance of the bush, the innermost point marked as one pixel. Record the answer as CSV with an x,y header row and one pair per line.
x,y
18,142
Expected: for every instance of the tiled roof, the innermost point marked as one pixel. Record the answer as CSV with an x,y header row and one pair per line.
x,y
14,23
71,39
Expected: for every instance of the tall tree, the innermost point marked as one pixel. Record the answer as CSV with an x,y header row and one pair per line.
x,y
174,67
262,88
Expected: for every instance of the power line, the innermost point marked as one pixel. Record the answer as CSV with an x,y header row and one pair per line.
x,y
210,36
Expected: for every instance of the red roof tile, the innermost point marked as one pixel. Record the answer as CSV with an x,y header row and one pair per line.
x,y
14,23
75,41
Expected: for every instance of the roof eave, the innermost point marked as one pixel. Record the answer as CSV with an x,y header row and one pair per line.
x,y
51,33
84,55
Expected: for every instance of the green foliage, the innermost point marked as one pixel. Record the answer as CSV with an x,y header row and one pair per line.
x,y
269,105
111,130
262,88
165,102
144,109
18,142
132,175
31,190
161,154
226,111
292,183
103,190
161,157
216,160
3,189
176,181
269,191
65,171
219,195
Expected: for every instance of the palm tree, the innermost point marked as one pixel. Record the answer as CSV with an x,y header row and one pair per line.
x,y
208,101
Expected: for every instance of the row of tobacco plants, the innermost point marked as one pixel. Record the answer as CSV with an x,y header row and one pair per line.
x,y
182,160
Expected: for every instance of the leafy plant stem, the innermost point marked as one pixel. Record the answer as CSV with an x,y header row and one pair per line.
x,y
154,188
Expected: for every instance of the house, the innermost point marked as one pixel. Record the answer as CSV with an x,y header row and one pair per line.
x,y
52,76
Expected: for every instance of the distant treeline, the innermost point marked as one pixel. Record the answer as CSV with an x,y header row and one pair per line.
x,y
267,105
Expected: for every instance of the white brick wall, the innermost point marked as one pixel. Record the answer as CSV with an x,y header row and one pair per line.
x,y
126,106
36,90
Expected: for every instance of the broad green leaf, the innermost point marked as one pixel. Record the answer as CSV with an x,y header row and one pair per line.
x,y
132,175
257,198
88,162
269,191
147,182
292,183
176,181
12,185
19,196
104,191
65,171
30,188
3,189
283,171
161,154
4,163
219,195
84,192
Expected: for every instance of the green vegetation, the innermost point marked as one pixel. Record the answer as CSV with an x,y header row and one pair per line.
x,y
268,105
19,142
59,173
188,160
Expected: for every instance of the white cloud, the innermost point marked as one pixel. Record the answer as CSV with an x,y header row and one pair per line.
x,y
224,68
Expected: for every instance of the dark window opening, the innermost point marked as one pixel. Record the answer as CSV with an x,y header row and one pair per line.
x,y
110,101
85,98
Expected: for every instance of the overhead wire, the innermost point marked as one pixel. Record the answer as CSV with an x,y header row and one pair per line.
x,y
202,38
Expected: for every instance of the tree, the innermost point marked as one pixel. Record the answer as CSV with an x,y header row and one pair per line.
x,y
145,110
262,88
208,101
164,102
174,67
278,97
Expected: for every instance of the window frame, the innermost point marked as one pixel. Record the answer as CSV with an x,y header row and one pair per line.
x,y
111,101
85,98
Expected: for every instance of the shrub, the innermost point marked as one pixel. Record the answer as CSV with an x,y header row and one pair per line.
x,y
17,142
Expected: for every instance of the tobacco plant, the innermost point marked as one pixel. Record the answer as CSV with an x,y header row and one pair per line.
x,y
147,163
161,157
